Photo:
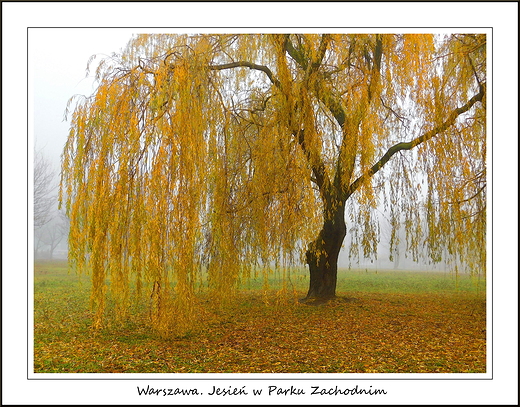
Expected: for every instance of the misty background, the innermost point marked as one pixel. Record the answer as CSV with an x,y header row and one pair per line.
x,y
57,71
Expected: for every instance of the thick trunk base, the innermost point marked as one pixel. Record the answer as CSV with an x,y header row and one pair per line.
x,y
322,259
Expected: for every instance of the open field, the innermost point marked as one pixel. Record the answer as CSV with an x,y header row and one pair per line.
x,y
384,322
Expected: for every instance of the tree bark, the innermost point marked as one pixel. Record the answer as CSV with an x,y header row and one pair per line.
x,y
322,256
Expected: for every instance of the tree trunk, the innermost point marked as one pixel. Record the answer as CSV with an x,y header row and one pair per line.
x,y
322,256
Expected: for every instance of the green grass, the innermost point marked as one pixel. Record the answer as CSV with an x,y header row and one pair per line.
x,y
382,281
401,281
384,321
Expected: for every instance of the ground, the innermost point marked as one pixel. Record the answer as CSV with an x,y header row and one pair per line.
x,y
383,322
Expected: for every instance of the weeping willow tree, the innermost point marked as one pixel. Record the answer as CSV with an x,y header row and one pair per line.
x,y
218,154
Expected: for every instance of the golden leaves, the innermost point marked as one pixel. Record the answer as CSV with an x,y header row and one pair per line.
x,y
175,174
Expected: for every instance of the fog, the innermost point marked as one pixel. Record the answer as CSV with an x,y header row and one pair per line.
x,y
57,62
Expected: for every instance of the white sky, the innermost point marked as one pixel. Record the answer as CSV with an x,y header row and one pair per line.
x,y
57,61
60,57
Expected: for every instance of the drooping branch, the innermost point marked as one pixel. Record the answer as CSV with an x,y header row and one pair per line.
x,y
325,39
320,178
479,191
416,141
325,96
250,65
318,168
295,53
376,68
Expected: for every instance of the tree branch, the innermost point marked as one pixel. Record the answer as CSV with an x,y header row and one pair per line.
x,y
320,177
324,43
250,65
295,53
415,142
318,169
333,104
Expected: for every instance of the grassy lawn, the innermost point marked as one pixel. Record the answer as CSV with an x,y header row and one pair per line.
x,y
386,321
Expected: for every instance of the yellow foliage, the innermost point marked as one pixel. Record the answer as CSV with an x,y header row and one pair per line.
x,y
200,157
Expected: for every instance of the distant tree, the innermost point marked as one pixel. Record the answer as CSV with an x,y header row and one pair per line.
x,y
225,152
43,189
54,232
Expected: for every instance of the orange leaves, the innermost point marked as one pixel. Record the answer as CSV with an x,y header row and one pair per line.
x,y
202,156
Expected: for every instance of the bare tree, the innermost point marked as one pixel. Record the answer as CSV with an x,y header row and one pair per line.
x,y
51,237
43,188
